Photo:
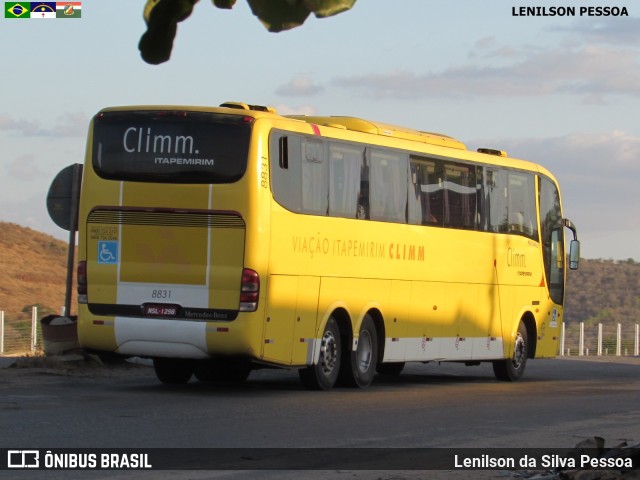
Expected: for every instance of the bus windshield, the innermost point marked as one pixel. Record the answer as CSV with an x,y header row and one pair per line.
x,y
170,146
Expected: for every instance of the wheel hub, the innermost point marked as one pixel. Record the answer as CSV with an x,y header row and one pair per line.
x,y
519,351
328,352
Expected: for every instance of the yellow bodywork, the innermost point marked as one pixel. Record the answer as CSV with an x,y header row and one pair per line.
x,y
436,293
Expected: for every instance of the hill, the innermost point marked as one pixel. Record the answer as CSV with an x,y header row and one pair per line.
x,y
604,291
33,268
33,272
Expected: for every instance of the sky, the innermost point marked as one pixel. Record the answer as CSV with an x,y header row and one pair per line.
x,y
562,91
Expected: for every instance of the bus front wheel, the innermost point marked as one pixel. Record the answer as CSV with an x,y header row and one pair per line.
x,y
323,375
512,369
173,371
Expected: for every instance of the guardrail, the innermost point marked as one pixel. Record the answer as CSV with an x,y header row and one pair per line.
x,y
23,336
20,336
599,340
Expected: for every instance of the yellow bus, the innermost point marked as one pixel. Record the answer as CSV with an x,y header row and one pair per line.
x,y
220,240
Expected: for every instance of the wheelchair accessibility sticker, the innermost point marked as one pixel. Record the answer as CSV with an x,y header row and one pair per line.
x,y
108,252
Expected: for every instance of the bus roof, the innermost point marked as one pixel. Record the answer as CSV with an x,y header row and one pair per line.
x,y
377,128
361,125
357,125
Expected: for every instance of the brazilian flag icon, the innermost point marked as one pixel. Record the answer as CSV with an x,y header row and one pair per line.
x,y
17,9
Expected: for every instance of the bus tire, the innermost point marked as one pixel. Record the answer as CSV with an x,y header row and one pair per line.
x,y
512,369
391,368
173,371
323,375
360,368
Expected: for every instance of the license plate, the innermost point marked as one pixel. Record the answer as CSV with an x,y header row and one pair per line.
x,y
159,310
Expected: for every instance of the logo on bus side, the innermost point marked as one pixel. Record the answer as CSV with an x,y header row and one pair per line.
x,y
517,259
314,246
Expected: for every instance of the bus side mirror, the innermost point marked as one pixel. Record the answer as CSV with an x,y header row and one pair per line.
x,y
574,254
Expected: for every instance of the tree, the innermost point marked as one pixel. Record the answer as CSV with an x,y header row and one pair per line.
x,y
163,16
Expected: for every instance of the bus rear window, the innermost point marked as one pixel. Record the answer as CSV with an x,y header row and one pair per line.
x,y
170,146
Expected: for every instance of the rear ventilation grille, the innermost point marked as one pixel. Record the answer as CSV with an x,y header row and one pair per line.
x,y
166,219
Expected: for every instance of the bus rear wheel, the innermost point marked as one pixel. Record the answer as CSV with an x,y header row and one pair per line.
x,y
323,375
173,371
359,367
512,369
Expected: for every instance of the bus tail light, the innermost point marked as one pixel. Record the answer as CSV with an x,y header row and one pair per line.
x,y
249,291
82,282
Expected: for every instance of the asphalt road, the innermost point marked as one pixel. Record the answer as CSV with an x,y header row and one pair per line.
x,y
557,404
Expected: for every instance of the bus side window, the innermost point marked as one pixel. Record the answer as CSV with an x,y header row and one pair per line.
x,y
285,170
283,152
363,199
522,204
459,195
346,182
388,185
481,211
552,238
315,177
497,192
424,190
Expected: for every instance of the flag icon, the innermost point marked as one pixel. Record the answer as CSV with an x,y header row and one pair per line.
x,y
68,9
17,9
43,9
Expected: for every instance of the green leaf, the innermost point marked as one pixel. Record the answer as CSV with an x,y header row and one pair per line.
x,y
279,15
162,17
224,3
327,8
